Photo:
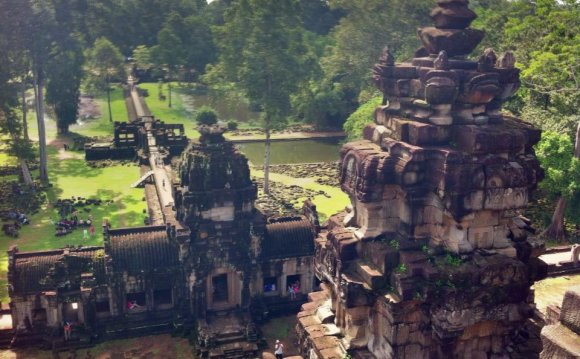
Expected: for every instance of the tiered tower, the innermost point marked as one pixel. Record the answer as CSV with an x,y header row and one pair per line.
x,y
432,259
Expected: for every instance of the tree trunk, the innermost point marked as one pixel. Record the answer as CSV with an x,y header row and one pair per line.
x,y
267,159
25,173
556,229
39,83
109,101
24,112
577,144
169,91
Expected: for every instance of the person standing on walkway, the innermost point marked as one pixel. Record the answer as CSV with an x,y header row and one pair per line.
x,y
279,350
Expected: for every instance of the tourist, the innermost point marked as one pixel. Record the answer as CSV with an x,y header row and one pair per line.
x,y
132,304
85,234
92,230
67,331
291,291
296,288
279,349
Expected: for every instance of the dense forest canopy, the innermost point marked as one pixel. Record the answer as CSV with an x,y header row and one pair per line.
x,y
323,52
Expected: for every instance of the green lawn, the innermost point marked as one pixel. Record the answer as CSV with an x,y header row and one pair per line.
x,y
174,114
70,176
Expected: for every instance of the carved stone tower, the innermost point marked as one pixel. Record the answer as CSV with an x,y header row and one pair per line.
x,y
215,199
432,259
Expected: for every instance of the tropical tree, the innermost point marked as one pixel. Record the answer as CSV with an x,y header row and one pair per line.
x,y
104,65
65,72
13,68
262,53
561,160
40,36
168,54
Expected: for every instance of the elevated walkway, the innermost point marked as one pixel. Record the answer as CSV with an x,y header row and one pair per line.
x,y
141,182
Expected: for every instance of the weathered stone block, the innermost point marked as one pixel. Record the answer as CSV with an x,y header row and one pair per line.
x,y
570,312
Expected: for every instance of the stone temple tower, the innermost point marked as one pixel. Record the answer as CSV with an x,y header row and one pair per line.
x,y
432,259
215,199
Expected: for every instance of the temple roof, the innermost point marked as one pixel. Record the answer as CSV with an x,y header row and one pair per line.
x,y
35,271
136,250
287,237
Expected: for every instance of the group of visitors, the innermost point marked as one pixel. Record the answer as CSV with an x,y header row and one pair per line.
x,y
66,225
18,217
18,220
294,289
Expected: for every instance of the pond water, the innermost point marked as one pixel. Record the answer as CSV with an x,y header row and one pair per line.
x,y
298,151
231,109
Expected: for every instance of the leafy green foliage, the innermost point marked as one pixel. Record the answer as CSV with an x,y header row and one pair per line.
x,y
104,65
545,37
206,116
232,125
401,268
363,116
453,260
365,29
556,155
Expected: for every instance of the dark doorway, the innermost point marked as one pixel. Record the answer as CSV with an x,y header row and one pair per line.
x,y
70,312
102,307
162,297
293,281
220,288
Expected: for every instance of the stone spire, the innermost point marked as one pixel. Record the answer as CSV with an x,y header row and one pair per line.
x,y
432,259
451,32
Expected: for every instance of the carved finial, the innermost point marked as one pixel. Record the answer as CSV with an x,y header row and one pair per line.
x,y
487,60
507,60
387,57
442,61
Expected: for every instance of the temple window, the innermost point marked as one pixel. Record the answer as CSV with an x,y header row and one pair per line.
x,y
136,302
271,285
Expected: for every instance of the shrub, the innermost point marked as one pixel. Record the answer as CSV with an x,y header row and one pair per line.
x,y
362,117
206,116
232,125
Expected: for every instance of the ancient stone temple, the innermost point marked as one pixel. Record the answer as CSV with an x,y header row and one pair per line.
x,y
431,260
214,264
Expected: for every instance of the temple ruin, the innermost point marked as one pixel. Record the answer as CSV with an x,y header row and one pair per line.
x,y
208,261
431,260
